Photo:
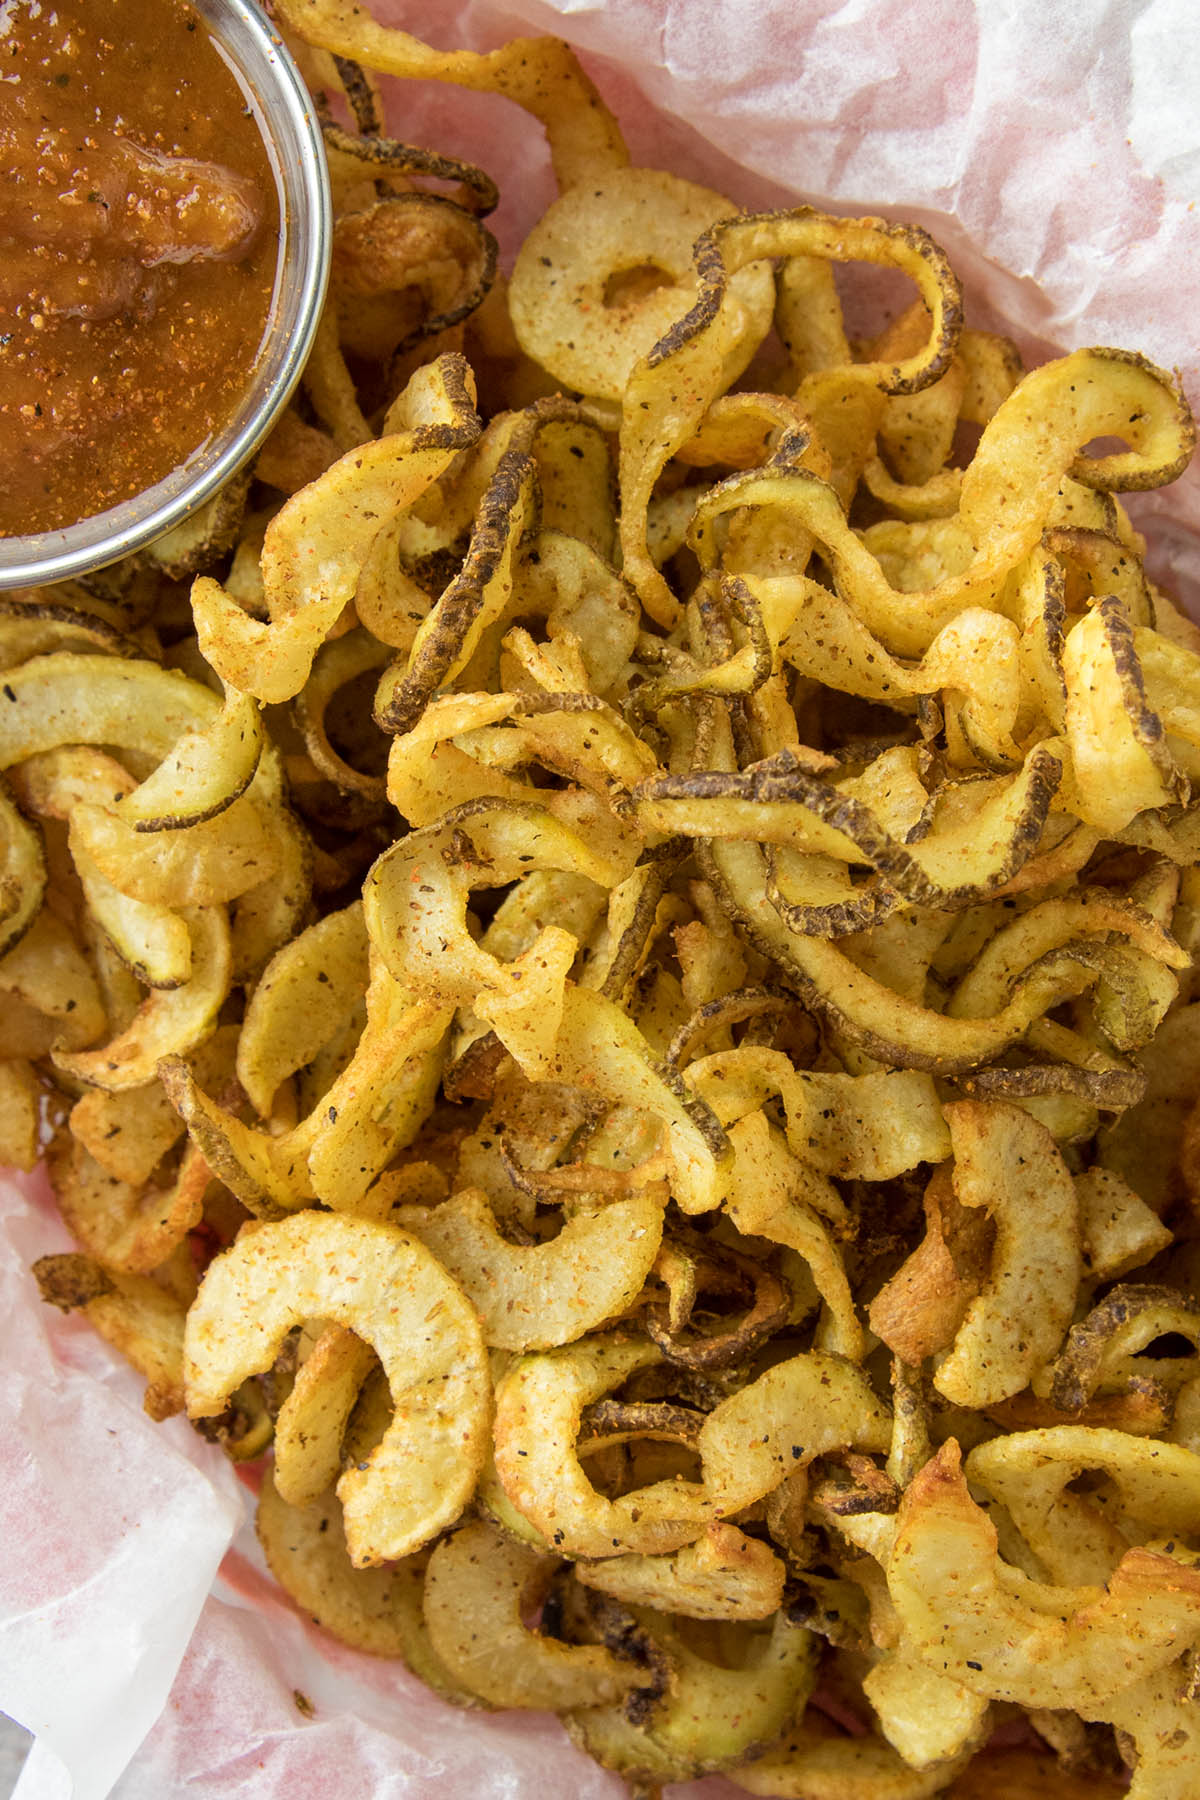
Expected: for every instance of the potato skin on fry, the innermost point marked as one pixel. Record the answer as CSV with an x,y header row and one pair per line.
x,y
375,1610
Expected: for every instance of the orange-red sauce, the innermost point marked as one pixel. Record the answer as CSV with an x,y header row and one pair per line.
x,y
138,246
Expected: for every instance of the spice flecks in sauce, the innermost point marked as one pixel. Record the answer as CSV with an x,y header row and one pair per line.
x,y
138,244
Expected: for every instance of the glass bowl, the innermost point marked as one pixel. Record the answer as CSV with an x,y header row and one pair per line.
x,y
286,117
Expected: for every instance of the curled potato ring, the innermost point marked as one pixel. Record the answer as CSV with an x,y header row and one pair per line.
x,y
539,1405
388,1288
987,1628
567,308
478,1585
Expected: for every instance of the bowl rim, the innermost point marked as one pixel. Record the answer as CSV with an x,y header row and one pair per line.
x,y
285,111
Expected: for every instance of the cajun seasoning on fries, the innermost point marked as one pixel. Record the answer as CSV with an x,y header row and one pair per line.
x,y
614,985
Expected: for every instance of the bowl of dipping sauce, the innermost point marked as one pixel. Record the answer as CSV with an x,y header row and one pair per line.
x,y
165,229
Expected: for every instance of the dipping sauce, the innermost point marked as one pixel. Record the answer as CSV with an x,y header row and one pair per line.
x,y
139,237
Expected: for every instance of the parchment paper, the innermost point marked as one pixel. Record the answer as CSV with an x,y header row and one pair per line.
x,y
1052,147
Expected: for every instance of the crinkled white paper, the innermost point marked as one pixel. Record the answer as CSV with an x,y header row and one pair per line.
x,y
112,1528
1052,146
